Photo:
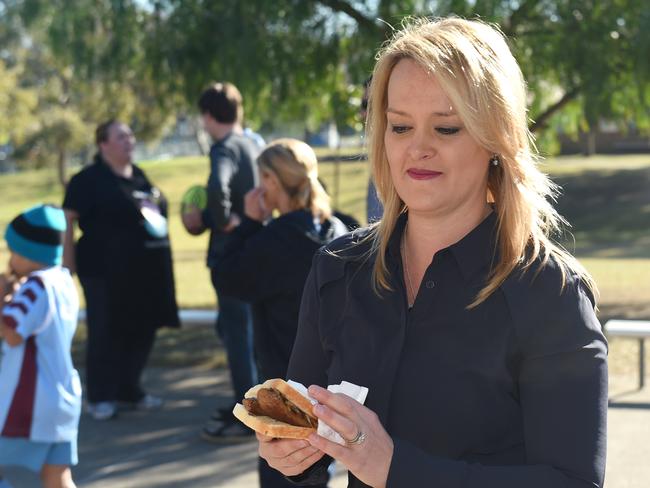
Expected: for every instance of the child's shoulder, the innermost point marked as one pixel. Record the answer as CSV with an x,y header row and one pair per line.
x,y
33,284
55,279
28,303
48,292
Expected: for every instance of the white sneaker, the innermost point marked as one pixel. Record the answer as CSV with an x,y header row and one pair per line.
x,y
102,410
150,402
147,402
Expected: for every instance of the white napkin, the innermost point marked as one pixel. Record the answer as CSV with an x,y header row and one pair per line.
x,y
356,392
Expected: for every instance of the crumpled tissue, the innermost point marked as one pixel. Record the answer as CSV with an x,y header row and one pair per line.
x,y
356,392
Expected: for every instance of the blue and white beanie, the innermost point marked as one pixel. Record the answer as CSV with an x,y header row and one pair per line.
x,y
37,234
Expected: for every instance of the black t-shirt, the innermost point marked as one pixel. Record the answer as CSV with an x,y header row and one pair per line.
x,y
124,241
233,172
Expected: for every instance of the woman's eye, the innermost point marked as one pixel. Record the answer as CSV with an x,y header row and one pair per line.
x,y
447,131
399,129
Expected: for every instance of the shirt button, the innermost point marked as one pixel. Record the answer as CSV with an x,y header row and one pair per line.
x,y
430,284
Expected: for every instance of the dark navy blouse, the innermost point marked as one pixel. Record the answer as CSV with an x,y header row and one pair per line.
x,y
509,394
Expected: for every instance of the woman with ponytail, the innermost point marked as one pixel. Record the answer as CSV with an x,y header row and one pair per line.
x,y
267,259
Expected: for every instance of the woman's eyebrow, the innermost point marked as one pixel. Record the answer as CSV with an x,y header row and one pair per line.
x,y
439,114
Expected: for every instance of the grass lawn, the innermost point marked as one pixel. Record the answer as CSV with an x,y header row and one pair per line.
x,y
606,199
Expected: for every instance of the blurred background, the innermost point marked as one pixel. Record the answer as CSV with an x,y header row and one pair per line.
x,y
66,66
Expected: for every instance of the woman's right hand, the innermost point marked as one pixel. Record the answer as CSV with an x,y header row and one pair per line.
x,y
192,220
289,456
254,206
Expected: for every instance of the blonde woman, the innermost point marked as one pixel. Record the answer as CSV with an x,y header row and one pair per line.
x,y
267,260
475,333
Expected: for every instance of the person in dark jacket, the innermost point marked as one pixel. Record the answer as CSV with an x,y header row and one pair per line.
x,y
474,332
374,208
348,219
267,260
124,263
233,173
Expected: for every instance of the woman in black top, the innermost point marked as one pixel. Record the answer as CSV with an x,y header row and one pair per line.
x,y
123,259
267,261
475,333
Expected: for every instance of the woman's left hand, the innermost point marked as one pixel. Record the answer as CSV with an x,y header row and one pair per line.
x,y
254,206
369,459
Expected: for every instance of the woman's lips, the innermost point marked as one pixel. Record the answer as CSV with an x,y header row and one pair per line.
x,y
422,174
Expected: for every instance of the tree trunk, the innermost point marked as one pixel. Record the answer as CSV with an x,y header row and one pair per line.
x,y
198,136
543,118
590,143
61,167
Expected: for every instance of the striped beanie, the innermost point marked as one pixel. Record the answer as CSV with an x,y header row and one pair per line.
x,y
37,234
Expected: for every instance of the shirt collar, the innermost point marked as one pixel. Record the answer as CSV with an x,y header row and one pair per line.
x,y
475,251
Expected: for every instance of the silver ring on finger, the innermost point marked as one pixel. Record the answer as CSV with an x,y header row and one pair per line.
x,y
358,439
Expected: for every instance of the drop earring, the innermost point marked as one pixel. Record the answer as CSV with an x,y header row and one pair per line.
x,y
495,160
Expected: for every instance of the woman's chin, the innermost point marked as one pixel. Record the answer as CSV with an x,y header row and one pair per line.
x,y
424,205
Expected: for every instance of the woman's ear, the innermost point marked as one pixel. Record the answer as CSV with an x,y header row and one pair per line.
x,y
271,185
271,182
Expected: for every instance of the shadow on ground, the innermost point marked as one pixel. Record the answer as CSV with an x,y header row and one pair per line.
x,y
189,346
163,449
607,209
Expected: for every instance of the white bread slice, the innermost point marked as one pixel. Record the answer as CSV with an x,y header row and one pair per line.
x,y
270,427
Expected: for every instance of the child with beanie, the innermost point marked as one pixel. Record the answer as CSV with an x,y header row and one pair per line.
x,y
40,391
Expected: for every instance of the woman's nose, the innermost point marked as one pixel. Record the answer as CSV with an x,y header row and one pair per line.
x,y
421,147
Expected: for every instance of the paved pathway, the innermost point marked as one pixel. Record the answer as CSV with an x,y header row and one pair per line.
x,y
163,449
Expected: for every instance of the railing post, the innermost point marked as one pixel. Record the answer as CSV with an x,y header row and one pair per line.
x,y
641,363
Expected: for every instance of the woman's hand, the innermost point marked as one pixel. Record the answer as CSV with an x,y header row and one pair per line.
x,y
192,221
289,456
254,206
369,459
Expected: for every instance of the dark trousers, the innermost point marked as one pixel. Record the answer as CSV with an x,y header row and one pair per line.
x,y
235,329
271,478
116,354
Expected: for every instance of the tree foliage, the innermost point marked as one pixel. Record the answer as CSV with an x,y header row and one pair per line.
x,y
60,131
306,59
16,106
60,85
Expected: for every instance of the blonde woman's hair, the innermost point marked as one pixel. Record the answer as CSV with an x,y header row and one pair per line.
x,y
295,165
477,71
